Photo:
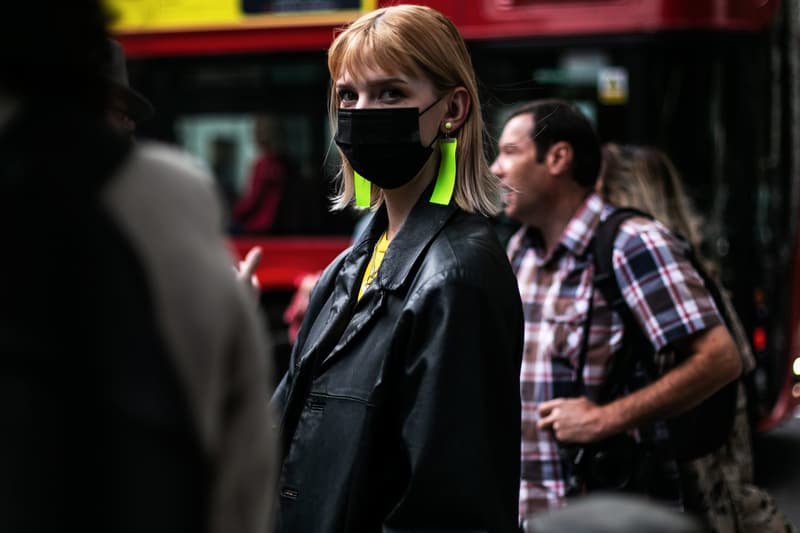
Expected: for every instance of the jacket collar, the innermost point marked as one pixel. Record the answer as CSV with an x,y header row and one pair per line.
x,y
423,223
421,226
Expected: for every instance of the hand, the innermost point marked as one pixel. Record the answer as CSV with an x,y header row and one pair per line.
x,y
293,315
247,267
573,420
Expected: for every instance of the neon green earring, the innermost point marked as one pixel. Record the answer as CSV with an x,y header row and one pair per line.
x,y
446,180
363,190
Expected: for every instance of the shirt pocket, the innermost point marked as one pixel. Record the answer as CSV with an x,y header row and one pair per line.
x,y
564,332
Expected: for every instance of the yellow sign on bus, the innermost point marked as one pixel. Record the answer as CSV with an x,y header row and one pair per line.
x,y
171,15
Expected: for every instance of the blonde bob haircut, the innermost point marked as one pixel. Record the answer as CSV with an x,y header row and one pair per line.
x,y
416,41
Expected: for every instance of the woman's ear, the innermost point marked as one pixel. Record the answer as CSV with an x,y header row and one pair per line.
x,y
559,158
458,108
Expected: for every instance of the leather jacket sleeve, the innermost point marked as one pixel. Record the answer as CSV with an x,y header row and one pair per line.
x,y
459,410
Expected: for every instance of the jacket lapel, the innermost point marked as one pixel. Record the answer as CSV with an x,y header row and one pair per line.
x,y
333,318
403,255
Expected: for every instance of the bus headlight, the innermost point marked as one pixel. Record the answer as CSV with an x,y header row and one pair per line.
x,y
796,366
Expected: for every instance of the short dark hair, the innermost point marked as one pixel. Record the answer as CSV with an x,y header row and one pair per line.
x,y
558,120
53,53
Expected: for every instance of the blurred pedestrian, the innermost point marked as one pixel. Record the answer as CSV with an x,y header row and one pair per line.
x,y
255,211
224,165
133,383
613,513
401,403
718,486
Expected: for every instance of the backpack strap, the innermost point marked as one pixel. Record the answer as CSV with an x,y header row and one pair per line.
x,y
717,412
602,249
634,341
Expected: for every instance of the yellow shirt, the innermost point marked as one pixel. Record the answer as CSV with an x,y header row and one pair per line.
x,y
374,263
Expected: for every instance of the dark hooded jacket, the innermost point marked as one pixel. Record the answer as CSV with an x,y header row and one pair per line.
x,y
401,411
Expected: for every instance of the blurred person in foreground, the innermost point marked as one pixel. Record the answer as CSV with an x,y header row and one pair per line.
x,y
133,388
718,487
400,409
127,107
549,160
605,512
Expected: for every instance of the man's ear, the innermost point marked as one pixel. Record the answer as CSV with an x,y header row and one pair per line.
x,y
559,158
459,104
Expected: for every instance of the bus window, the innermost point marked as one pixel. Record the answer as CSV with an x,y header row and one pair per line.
x,y
232,147
211,105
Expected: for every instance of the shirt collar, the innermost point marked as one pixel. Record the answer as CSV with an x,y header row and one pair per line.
x,y
575,238
581,227
421,226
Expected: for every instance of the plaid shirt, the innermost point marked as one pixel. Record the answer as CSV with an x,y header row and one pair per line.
x,y
660,286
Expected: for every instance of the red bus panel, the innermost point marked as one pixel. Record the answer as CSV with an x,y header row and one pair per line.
x,y
285,259
477,19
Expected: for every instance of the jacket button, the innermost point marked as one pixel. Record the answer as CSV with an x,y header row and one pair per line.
x,y
290,493
315,404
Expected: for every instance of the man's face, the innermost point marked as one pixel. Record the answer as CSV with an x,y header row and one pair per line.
x,y
527,183
118,117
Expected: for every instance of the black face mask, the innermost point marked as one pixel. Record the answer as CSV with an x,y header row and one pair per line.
x,y
383,145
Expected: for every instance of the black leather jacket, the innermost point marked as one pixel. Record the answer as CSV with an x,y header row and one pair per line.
x,y
401,412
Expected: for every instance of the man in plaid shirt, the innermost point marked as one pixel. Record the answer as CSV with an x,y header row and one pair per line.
x,y
549,160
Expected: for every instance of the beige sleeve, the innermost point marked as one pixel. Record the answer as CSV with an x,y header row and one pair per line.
x,y
210,322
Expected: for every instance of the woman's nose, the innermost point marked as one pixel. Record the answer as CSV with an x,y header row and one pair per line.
x,y
362,102
495,169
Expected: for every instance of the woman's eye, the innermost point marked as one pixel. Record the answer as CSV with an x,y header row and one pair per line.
x,y
347,96
391,94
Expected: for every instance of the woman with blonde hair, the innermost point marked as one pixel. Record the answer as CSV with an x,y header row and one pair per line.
x,y
401,407
645,178
718,487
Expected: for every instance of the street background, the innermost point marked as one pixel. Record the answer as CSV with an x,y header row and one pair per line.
x,y
777,463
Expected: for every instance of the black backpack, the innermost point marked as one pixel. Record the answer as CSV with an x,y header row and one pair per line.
x,y
700,430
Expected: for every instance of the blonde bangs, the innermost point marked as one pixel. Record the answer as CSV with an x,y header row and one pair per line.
x,y
376,47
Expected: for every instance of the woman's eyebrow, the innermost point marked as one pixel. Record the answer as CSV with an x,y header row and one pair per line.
x,y
372,83
383,81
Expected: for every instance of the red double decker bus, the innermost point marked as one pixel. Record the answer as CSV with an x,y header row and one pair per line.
x,y
711,82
